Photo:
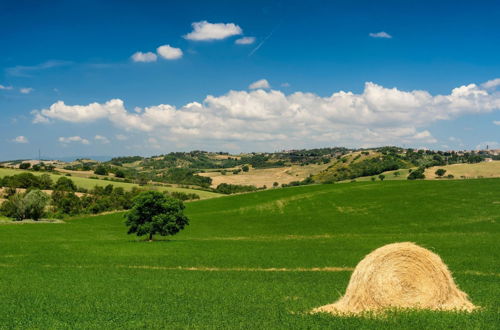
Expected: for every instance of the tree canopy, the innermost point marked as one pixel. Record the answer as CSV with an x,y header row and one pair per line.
x,y
156,213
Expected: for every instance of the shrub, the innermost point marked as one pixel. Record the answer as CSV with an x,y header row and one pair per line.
x,y
101,170
24,166
417,174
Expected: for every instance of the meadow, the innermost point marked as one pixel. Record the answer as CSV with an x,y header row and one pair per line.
x,y
89,183
258,260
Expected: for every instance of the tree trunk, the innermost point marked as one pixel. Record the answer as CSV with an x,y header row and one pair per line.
x,y
150,237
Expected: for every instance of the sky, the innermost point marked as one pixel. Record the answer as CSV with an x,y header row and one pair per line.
x,y
112,78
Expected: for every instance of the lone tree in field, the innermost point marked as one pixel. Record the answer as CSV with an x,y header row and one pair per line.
x,y
156,213
440,172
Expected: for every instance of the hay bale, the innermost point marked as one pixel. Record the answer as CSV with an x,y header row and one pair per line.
x,y
400,275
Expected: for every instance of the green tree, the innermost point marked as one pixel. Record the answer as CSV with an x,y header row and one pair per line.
x,y
24,166
65,184
120,174
35,203
26,206
275,184
417,174
245,168
440,172
155,213
101,170
381,177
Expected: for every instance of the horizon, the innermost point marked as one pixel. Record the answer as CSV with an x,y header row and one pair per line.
x,y
81,79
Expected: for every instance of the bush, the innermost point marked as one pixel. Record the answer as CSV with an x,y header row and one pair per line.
x,y
245,168
440,172
65,184
101,170
24,166
26,206
417,174
226,188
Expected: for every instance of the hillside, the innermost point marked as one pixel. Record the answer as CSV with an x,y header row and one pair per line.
x,y
88,183
258,260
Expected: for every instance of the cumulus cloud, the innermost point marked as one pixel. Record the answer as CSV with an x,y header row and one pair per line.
x,y
263,83
66,140
245,41
205,31
377,116
381,34
26,90
101,139
169,53
7,88
491,83
20,139
144,57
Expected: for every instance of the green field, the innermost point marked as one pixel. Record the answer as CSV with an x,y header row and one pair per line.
x,y
247,261
88,183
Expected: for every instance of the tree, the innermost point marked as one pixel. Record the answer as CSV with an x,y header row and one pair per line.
x,y
245,168
35,203
26,206
155,213
440,172
381,177
119,173
275,184
397,173
101,170
373,178
417,174
24,166
65,184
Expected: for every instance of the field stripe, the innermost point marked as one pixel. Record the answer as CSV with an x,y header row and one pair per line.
x,y
236,269
243,269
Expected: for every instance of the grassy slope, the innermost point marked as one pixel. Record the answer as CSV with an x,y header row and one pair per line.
x,y
81,274
90,183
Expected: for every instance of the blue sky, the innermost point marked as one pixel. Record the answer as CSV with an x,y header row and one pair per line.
x,y
329,73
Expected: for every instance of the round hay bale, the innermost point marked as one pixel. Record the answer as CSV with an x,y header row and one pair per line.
x,y
400,275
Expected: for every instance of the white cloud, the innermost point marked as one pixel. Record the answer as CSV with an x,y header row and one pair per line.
x,y
121,137
26,90
491,83
144,57
377,116
263,83
203,31
245,41
101,139
20,139
169,53
381,34
7,88
496,122
70,139
285,84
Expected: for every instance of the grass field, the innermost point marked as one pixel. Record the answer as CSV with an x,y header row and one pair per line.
x,y
252,261
88,183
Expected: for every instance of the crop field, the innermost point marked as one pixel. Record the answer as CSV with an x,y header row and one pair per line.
x,y
88,183
265,176
259,260
468,171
